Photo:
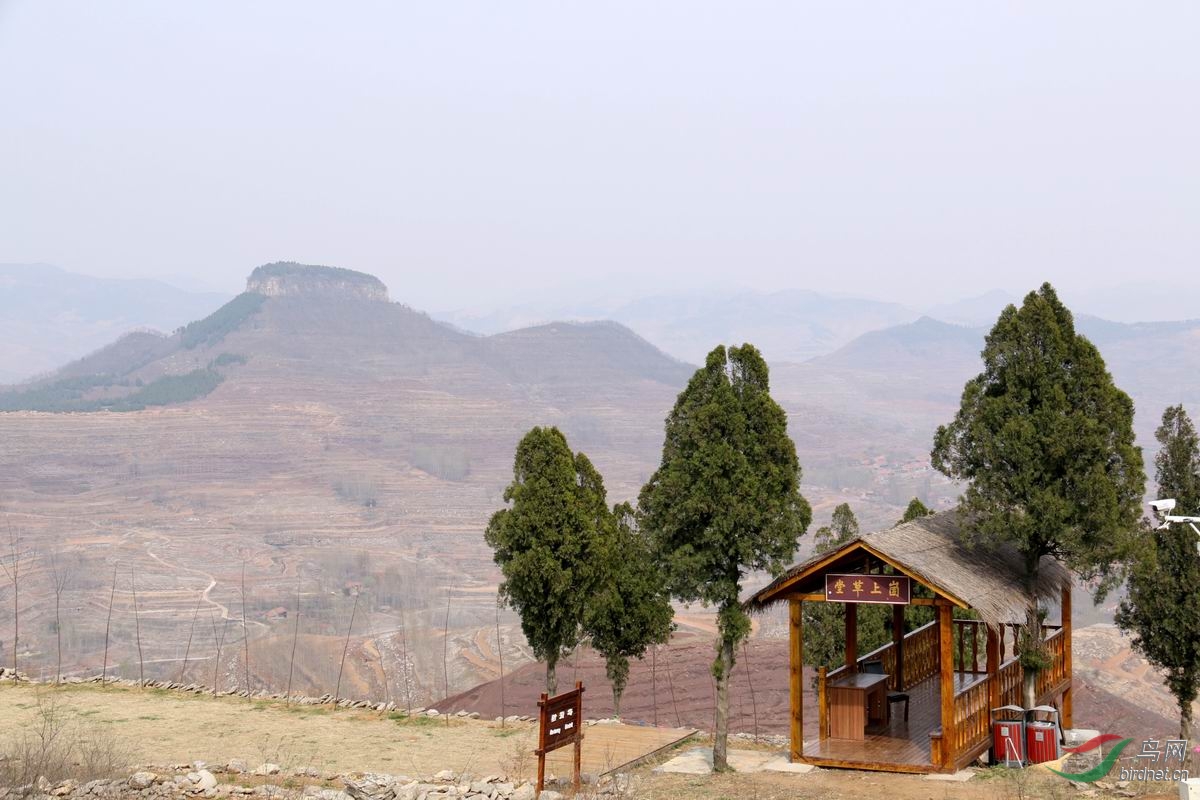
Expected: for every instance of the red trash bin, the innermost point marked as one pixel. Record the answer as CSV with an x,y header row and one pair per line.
x,y
1008,735
1041,735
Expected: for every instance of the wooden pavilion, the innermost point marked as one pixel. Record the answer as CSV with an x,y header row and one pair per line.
x,y
922,702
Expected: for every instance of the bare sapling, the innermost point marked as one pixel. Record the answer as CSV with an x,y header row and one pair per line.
x,y
295,639
219,641
750,683
188,650
245,631
404,671
345,649
671,685
137,627
500,656
446,653
108,627
11,564
60,576
387,696
654,681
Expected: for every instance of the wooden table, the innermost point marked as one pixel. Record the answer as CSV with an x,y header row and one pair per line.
x,y
854,701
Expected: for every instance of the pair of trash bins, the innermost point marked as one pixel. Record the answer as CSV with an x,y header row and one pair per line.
x,y
1023,736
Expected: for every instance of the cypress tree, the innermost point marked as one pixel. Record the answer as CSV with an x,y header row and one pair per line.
x,y
1162,608
630,609
549,542
1044,441
916,509
725,500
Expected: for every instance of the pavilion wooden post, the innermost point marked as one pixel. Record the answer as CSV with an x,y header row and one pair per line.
x,y
993,667
796,660
995,644
946,680
822,705
851,637
898,645
1067,722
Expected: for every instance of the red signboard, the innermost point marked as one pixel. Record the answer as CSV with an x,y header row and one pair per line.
x,y
887,589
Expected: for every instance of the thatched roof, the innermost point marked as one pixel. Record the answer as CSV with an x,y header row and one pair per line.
x,y
932,551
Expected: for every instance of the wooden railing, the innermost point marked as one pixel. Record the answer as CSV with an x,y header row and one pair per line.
x,y
921,654
1010,682
972,705
970,642
920,658
1049,679
972,717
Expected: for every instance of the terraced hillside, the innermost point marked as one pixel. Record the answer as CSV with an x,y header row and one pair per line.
x,y
339,447
350,448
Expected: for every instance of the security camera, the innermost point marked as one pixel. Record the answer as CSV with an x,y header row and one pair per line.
x,y
1163,506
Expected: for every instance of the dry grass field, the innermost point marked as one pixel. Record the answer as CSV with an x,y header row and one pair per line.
x,y
163,728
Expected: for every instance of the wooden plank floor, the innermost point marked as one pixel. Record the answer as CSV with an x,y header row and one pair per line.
x,y
610,747
901,743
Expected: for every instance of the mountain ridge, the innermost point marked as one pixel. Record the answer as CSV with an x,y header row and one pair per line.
x,y
311,302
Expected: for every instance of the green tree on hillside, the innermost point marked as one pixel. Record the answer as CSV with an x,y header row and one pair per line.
x,y
725,500
630,609
842,527
548,544
1044,441
1162,608
825,623
916,509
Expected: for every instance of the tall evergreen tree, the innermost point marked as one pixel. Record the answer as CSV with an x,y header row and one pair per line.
x,y
842,527
1162,607
725,500
548,543
630,609
916,509
1044,441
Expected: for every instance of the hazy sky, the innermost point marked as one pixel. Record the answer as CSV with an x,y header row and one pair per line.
x,y
472,152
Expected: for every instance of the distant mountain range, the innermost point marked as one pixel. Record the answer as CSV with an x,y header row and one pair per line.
x,y
793,325
49,316
858,399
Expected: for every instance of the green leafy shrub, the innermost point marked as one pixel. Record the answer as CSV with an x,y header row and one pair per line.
x,y
228,359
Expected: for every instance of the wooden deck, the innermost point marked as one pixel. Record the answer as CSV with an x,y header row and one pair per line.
x,y
610,747
899,746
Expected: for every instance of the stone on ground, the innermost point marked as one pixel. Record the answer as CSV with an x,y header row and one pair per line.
x,y
698,761
962,776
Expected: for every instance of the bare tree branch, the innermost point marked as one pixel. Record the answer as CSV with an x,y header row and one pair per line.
x,y
60,575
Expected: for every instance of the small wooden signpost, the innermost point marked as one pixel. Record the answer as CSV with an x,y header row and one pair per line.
x,y
561,724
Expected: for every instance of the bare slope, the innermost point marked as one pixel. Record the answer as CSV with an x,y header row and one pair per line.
x,y
350,446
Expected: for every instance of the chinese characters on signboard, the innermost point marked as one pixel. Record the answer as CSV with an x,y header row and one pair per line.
x,y
560,719
888,589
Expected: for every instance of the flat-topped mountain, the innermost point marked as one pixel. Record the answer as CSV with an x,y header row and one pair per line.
x,y
285,278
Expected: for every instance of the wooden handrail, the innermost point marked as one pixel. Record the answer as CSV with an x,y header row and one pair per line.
x,y
920,646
